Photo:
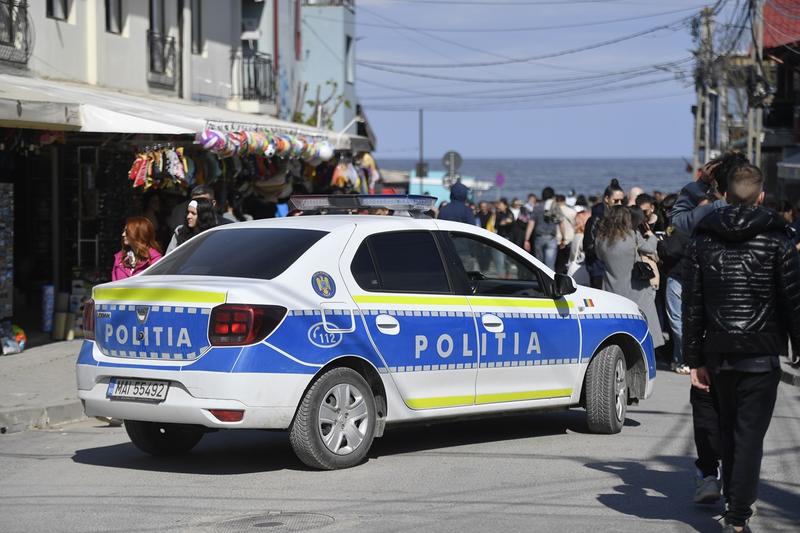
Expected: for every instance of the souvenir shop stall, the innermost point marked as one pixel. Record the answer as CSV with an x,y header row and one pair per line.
x,y
69,194
253,172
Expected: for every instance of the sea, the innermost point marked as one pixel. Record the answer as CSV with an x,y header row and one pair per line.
x,y
584,176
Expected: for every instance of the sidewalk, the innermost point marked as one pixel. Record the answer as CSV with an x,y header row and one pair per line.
x,y
37,387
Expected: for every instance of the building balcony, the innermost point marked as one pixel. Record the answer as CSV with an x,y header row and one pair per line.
x,y
16,35
162,65
253,83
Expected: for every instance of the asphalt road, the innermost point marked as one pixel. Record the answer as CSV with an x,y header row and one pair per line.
x,y
537,472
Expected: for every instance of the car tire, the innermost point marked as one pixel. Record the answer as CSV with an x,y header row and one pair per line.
x,y
157,438
606,391
335,423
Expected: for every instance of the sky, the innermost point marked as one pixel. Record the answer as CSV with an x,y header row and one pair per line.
x,y
630,98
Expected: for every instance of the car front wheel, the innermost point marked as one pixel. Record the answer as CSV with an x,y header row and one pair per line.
x,y
157,438
606,391
335,422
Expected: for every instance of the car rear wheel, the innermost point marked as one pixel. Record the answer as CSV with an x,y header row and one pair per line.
x,y
157,438
335,422
606,391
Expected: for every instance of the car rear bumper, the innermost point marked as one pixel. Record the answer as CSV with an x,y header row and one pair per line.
x,y
269,401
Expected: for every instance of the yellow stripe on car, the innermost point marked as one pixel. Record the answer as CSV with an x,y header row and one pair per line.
x,y
500,397
522,395
159,295
410,300
478,301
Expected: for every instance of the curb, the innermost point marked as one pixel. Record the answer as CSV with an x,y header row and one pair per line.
x,y
13,421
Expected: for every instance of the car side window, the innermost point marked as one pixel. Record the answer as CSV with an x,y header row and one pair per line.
x,y
401,261
363,269
494,271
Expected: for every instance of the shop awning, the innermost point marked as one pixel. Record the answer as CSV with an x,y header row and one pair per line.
x,y
789,169
48,104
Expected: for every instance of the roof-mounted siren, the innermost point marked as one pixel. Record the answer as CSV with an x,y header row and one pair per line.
x,y
413,205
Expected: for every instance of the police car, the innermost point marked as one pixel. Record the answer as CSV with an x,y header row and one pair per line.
x,y
334,326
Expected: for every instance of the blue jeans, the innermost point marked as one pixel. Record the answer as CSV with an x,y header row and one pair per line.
x,y
675,320
544,249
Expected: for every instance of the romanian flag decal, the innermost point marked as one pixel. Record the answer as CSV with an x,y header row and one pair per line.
x,y
588,303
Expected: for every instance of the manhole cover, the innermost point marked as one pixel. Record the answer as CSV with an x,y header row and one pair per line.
x,y
275,521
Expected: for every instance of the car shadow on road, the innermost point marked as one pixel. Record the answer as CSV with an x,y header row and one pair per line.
x,y
250,451
665,493
220,453
432,436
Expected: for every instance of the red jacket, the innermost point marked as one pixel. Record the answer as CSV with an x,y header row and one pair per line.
x,y
122,271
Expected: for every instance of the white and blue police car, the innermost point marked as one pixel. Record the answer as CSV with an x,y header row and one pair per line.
x,y
332,327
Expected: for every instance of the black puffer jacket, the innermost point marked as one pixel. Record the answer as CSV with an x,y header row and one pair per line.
x,y
741,286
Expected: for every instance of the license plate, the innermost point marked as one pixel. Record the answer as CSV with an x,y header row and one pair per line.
x,y
144,390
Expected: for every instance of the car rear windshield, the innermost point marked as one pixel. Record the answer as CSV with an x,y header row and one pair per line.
x,y
261,253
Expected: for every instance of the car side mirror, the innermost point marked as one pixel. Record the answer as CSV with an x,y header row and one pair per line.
x,y
563,285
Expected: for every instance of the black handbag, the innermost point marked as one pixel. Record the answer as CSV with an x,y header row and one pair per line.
x,y
642,271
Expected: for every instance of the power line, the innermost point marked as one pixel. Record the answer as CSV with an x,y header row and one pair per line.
x,y
494,102
455,43
525,108
511,30
671,26
487,80
610,77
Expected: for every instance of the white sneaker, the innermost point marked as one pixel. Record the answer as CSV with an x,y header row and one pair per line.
x,y
708,490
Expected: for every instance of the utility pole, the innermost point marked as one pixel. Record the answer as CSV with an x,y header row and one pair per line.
x,y
755,108
422,168
703,83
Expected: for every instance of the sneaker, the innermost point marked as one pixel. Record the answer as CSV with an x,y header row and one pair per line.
x,y
708,490
683,369
728,528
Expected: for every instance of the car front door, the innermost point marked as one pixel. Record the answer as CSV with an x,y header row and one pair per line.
x,y
529,342
421,328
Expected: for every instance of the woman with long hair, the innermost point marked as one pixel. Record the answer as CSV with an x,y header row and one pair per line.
x,y
577,259
139,249
620,246
200,216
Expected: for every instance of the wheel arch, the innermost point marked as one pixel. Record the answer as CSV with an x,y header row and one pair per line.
x,y
367,371
635,363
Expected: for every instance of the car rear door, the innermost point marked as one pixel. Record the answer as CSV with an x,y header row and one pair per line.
x,y
423,331
529,342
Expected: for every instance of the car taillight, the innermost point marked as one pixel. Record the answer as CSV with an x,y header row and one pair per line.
x,y
88,320
236,325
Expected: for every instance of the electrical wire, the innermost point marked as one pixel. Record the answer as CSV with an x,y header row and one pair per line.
x,y
511,30
544,95
673,26
525,108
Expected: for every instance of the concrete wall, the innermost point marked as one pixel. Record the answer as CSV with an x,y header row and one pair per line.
x,y
211,73
325,33
81,50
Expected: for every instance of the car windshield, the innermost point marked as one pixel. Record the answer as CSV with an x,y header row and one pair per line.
x,y
261,253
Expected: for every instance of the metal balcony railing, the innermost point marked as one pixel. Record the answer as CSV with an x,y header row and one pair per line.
x,y
254,77
162,63
15,32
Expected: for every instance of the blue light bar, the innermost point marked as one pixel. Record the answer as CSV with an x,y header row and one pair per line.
x,y
339,202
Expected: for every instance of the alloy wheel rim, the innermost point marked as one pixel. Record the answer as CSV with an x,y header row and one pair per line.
x,y
343,419
620,398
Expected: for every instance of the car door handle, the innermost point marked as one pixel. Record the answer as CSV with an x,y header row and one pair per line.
x,y
492,323
387,324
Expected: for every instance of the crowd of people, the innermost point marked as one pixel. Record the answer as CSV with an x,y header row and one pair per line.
x,y
716,271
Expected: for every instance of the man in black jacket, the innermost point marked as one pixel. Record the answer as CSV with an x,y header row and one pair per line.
x,y
741,296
